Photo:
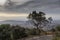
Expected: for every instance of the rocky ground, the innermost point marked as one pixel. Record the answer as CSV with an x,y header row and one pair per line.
x,y
45,37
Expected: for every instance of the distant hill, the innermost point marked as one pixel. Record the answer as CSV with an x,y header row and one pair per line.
x,y
14,22
11,22
27,23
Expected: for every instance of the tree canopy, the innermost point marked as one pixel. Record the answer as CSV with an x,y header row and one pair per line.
x,y
39,19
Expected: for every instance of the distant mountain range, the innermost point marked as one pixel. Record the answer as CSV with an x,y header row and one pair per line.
x,y
14,22
25,23
11,22
21,22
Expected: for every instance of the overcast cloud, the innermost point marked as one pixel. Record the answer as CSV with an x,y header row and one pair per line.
x,y
48,6
27,6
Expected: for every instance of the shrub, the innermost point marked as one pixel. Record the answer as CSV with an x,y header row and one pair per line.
x,y
58,28
5,32
34,32
19,32
8,32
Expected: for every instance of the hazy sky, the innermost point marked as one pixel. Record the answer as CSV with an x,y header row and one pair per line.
x,y
23,7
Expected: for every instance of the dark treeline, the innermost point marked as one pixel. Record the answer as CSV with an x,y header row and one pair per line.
x,y
8,32
57,33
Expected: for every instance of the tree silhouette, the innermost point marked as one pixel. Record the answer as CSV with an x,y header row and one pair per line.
x,y
50,19
38,19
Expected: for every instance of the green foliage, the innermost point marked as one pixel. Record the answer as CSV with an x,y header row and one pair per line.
x,y
34,32
56,38
19,32
8,32
57,33
53,30
5,32
58,28
39,19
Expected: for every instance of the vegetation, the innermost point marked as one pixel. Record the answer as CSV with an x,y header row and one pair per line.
x,y
8,32
39,20
57,33
58,28
34,31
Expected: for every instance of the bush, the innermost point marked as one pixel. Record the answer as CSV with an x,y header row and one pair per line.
x,y
58,28
19,32
5,32
8,32
34,32
57,33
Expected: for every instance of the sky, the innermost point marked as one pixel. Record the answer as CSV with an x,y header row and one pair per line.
x,y
21,8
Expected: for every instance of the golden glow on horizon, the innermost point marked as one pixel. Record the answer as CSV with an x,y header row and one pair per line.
x,y
22,16
13,15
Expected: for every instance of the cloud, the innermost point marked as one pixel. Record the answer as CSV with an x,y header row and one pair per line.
x,y
11,16
54,16
3,14
23,16
26,6
2,2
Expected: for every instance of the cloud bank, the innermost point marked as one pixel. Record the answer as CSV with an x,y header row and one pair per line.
x,y
27,6
11,16
47,6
